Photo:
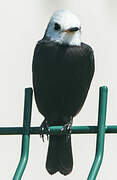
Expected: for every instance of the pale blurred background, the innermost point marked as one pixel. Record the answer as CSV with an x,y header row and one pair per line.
x,y
22,24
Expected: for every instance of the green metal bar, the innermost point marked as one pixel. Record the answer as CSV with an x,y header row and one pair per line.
x,y
24,157
100,134
26,130
26,134
56,130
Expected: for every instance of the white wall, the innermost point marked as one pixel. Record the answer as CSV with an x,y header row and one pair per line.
x,y
22,24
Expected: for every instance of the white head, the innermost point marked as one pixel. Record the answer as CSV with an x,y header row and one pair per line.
x,y
64,28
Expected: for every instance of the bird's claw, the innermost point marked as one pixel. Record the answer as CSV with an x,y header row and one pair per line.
x,y
68,127
44,127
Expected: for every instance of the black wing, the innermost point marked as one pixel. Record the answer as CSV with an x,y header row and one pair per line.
x,y
61,77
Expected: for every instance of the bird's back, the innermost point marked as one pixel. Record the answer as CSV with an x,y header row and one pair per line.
x,y
61,77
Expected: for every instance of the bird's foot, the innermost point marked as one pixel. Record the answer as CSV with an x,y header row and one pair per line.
x,y
68,127
44,128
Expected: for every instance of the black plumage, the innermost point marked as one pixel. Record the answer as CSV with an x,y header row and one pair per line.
x,y
61,79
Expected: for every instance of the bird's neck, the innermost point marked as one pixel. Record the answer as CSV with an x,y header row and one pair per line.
x,y
73,39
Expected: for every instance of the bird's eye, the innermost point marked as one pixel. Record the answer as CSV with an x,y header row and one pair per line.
x,y
57,26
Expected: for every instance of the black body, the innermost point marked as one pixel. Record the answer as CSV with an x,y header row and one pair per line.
x,y
61,78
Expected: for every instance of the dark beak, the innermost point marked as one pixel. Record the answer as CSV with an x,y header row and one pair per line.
x,y
72,30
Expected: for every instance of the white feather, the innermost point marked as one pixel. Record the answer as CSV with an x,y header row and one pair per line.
x,y
66,19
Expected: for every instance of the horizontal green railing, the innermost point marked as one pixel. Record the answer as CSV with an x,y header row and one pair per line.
x,y
57,129
26,131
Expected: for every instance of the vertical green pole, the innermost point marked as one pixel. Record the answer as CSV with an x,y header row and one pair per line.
x,y
100,134
26,135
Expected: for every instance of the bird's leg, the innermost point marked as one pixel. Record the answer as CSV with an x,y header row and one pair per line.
x,y
68,126
44,127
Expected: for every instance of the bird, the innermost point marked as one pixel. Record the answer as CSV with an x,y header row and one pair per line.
x,y
62,71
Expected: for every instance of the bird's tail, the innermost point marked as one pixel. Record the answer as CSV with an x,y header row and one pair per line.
x,y
59,157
